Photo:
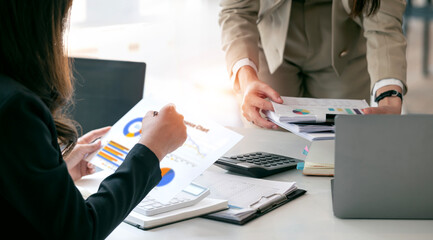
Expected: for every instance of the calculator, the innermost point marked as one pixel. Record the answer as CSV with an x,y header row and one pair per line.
x,y
189,196
257,164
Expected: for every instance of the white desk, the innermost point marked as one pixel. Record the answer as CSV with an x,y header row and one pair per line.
x,y
308,217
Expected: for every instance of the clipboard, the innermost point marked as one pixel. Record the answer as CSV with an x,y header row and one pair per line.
x,y
260,212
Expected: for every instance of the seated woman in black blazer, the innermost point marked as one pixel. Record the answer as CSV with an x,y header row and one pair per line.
x,y
38,198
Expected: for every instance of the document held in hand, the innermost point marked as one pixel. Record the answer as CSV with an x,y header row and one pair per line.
x,y
312,118
315,110
206,142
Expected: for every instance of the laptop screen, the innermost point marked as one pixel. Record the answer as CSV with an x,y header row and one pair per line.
x,y
105,90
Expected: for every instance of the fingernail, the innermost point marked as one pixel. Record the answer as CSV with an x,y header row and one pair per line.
x,y
275,127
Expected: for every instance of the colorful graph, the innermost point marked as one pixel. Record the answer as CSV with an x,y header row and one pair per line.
x,y
133,128
167,176
190,143
114,154
301,111
348,110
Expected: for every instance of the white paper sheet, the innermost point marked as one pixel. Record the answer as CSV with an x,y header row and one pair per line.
x,y
206,142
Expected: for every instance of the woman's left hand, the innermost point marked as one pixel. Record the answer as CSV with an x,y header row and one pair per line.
x,y
389,105
386,109
75,161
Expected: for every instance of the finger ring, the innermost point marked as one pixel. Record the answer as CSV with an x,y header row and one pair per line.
x,y
155,113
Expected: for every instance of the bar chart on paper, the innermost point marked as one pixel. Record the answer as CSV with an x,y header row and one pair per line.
x,y
206,142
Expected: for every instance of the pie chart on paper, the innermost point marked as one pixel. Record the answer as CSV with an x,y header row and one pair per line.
x,y
167,176
301,111
133,128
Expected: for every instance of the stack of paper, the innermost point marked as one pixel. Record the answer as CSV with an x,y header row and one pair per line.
x,y
313,118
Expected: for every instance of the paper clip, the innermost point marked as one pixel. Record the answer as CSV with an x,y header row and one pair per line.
x,y
267,197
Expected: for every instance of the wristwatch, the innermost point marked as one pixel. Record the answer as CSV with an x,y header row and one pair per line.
x,y
390,93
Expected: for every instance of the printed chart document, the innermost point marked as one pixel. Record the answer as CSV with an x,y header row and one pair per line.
x,y
248,198
313,118
206,142
297,109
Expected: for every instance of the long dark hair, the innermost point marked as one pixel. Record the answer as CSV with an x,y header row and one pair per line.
x,y
367,7
32,52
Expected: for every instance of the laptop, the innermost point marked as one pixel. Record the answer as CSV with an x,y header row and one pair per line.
x,y
105,90
383,167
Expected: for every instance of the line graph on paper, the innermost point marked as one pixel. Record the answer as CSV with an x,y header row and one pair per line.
x,y
191,144
193,151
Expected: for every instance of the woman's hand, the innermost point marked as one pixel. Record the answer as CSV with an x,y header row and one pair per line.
x,y
388,105
254,94
77,166
163,131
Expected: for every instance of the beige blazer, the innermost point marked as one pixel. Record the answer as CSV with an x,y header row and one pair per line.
x,y
380,37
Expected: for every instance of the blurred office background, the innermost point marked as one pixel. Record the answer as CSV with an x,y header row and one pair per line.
x,y
180,42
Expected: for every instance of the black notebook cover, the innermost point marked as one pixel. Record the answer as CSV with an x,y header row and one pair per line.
x,y
289,197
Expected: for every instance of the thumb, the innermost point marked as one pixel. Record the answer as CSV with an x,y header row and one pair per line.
x,y
272,94
371,110
86,149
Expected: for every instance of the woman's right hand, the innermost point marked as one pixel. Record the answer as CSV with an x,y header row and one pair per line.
x,y
163,132
254,97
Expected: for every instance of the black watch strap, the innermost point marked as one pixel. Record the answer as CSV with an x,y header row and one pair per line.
x,y
390,93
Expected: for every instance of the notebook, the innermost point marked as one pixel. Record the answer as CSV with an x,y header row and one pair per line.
x,y
320,159
248,198
205,206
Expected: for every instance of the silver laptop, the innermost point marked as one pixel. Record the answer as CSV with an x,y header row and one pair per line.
x,y
384,167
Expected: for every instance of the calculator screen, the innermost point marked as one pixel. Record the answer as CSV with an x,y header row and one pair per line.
x,y
194,189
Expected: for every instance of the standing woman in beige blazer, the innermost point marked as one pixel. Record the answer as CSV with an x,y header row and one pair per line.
x,y
315,48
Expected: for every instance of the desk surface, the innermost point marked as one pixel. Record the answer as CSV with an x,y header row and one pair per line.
x,y
308,217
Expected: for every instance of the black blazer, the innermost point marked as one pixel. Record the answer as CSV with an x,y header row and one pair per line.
x,y
38,198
